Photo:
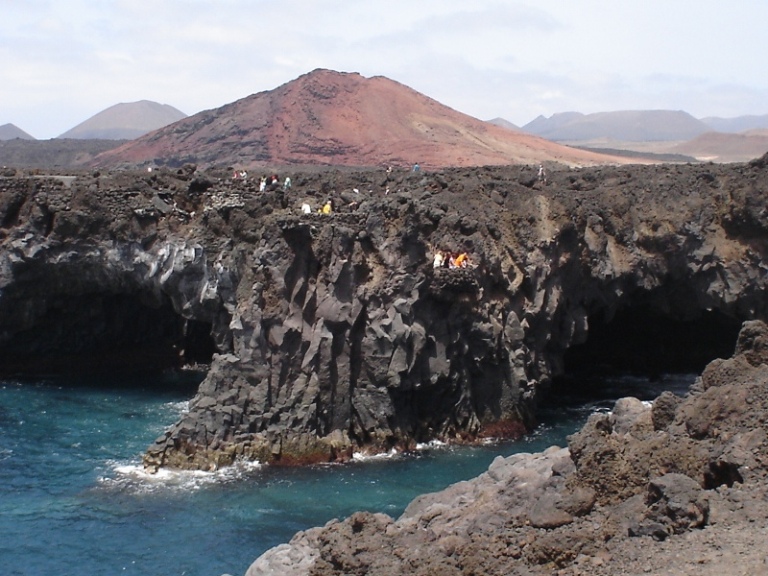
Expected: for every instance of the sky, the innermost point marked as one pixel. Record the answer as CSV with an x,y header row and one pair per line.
x,y
63,62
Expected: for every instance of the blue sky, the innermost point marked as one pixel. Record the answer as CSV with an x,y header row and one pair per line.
x,y
63,62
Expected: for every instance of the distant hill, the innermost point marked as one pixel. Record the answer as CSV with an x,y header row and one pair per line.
x,y
625,126
11,132
737,124
504,124
53,153
545,127
721,147
125,121
341,119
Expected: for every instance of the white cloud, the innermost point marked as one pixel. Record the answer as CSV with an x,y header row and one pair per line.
x,y
61,62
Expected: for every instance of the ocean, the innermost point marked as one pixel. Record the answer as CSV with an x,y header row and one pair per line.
x,y
74,499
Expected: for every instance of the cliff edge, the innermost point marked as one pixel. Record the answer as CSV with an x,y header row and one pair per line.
x,y
676,487
325,334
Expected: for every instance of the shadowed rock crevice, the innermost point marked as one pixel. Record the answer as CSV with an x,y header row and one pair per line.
x,y
104,333
646,342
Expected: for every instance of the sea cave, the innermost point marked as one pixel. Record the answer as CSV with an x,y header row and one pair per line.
x,y
104,333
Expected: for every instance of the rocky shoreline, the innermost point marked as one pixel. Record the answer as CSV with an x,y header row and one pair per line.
x,y
328,334
332,333
679,486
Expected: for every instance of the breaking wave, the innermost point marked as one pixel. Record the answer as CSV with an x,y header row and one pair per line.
x,y
133,478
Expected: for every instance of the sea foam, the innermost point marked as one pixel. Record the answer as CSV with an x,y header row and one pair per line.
x,y
132,477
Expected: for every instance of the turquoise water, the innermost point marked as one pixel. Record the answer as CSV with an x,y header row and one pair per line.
x,y
74,500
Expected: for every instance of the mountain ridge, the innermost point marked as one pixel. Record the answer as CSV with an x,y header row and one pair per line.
x,y
737,124
621,125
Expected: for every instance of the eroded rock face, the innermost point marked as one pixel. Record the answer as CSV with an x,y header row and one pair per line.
x,y
333,332
601,506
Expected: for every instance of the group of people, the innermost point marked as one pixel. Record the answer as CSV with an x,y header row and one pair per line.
x,y
265,182
327,208
274,182
444,259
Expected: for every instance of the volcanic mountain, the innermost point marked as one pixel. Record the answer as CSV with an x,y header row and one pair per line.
x,y
125,121
623,125
11,132
342,119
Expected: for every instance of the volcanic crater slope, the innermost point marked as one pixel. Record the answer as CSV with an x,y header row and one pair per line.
x,y
340,119
125,121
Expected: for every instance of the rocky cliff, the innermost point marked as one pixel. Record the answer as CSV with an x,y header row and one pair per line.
x,y
331,333
676,487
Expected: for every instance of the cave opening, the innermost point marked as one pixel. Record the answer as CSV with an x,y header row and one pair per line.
x,y
124,335
644,348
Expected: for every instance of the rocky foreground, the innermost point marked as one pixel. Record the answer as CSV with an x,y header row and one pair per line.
x,y
677,487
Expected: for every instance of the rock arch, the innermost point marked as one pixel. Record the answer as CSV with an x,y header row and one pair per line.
x,y
105,333
96,308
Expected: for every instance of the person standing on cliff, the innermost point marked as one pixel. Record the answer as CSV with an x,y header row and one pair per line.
x,y
439,259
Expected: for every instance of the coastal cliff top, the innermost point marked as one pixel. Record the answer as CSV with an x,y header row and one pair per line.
x,y
512,201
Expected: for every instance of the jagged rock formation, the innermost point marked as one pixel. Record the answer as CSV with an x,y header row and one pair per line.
x,y
334,333
627,482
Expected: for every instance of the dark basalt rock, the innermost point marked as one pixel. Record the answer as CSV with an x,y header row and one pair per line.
x,y
598,507
327,334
